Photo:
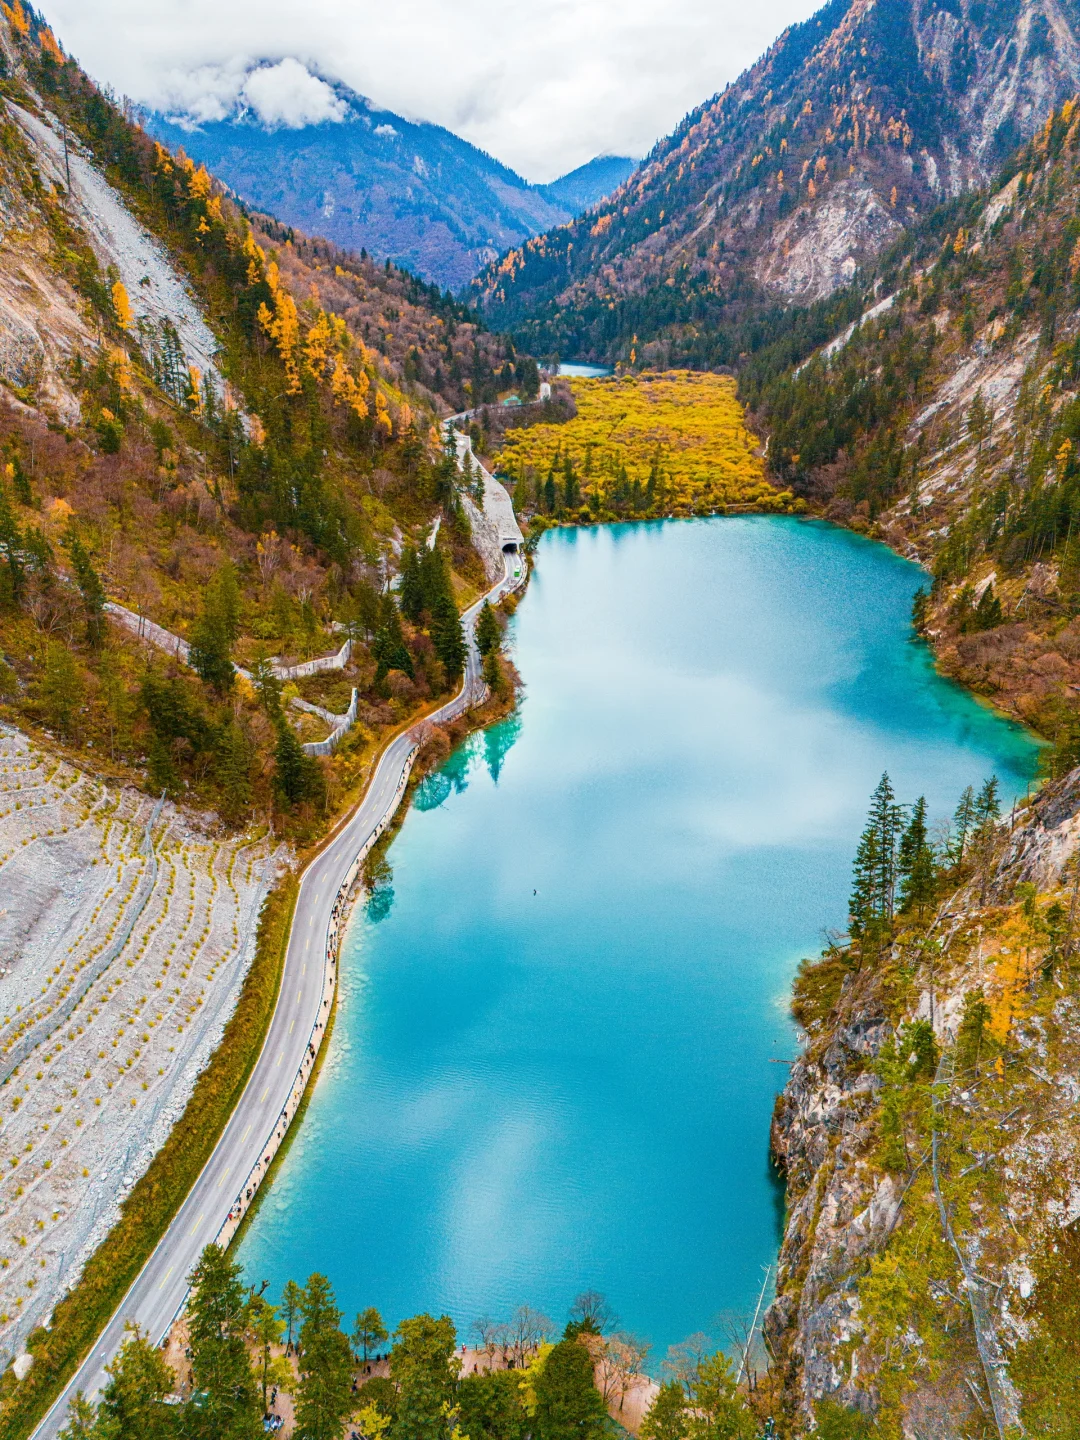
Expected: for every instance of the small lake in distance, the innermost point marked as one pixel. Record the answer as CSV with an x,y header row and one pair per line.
x,y
551,1064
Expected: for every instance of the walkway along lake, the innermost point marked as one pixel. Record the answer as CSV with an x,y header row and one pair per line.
x,y
527,1095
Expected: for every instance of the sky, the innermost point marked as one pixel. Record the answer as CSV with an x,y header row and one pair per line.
x,y
543,86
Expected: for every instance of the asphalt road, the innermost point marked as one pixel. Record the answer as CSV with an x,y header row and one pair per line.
x,y
298,1022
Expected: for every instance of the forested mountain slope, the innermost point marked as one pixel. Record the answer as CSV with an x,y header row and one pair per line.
x,y
225,428
369,179
948,424
850,127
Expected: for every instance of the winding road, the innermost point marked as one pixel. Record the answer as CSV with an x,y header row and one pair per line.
x,y
227,1185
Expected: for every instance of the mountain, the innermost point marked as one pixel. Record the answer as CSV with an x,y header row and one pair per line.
x,y
368,179
945,420
850,127
581,189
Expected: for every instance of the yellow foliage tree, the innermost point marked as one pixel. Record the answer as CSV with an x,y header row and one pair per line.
x,y
16,17
125,316
317,347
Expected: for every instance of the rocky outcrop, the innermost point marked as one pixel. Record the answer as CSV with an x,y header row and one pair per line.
x,y
916,1289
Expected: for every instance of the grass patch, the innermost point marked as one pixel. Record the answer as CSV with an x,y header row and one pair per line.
x,y
84,1312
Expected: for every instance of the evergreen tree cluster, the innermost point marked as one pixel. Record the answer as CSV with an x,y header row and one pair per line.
x,y
899,871
427,601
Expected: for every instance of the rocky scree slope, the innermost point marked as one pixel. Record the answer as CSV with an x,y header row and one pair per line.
x,y
851,126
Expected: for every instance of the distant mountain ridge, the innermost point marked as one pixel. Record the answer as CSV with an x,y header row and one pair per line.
x,y
849,127
580,189
409,191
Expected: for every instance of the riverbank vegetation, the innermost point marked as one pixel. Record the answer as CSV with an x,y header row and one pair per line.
x,y
944,1028
245,1365
641,446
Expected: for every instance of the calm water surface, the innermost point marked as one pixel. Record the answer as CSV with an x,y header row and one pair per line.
x,y
528,1094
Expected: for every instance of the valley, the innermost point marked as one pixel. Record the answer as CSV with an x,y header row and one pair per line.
x,y
824,496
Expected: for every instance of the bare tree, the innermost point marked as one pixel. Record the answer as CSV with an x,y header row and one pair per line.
x,y
486,1331
527,1329
684,1360
621,1362
591,1312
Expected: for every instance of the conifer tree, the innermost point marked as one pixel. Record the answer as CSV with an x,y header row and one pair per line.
x,y
873,894
232,767
568,1404
388,649
61,689
90,588
162,775
216,631
411,589
488,630
139,1380
667,1418
963,823
324,1399
447,637
368,1332
11,547
297,776
915,862
218,1319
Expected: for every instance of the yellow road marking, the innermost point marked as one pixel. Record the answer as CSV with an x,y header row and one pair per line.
x,y
198,1222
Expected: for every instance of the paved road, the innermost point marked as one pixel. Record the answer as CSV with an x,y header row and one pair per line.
x,y
296,1030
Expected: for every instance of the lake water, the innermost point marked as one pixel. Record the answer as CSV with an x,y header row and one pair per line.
x,y
550,1070
585,372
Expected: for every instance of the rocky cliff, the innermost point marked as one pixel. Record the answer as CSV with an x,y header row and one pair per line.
x,y
928,1278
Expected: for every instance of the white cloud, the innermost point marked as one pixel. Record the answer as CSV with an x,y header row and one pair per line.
x,y
288,94
386,131
543,87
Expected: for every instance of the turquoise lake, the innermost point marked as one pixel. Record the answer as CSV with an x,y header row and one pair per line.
x,y
532,1094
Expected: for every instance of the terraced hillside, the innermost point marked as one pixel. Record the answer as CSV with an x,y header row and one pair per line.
x,y
125,935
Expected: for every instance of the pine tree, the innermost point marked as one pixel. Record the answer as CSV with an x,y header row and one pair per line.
x,y
915,862
411,589
962,825
988,804
218,1319
568,1404
11,548
324,1399
873,894
90,588
447,636
667,1418
488,630
61,689
368,1331
162,775
388,649
423,1367
232,767
216,631
297,776
139,1380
